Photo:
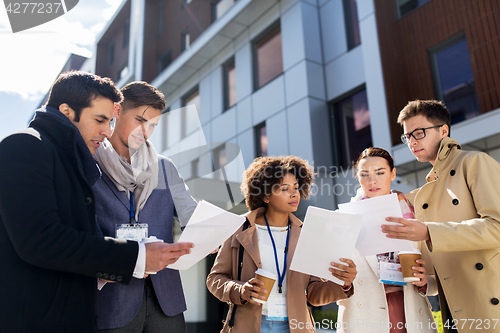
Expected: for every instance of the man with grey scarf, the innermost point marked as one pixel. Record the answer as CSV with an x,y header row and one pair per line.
x,y
49,244
138,195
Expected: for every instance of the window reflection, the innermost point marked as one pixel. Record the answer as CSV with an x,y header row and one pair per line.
x,y
261,140
352,129
222,6
407,6
269,57
190,121
454,79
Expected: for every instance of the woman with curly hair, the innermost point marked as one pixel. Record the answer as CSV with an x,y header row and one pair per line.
x,y
273,187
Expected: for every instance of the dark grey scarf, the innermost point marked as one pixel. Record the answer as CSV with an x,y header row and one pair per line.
x,y
87,163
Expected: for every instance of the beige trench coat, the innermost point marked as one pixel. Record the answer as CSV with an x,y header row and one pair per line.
x,y
462,209
300,287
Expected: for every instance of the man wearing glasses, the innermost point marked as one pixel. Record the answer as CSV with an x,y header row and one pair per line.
x,y
458,216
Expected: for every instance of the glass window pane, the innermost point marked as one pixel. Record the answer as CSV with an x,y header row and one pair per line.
x,y
457,87
164,61
126,33
407,6
111,53
352,127
191,114
263,141
194,168
352,24
220,160
260,140
269,57
186,40
231,85
222,6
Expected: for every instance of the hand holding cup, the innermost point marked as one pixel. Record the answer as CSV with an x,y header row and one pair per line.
x,y
408,260
251,289
422,273
258,289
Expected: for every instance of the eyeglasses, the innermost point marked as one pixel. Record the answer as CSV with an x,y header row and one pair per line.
x,y
417,134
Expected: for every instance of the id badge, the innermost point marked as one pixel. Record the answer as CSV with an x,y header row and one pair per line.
x,y
276,307
389,273
135,232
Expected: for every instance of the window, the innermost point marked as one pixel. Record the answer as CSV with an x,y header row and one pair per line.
x,y
229,80
162,16
185,40
454,79
123,72
220,7
405,7
195,165
351,23
260,140
189,116
351,128
220,160
268,58
126,33
165,60
111,53
165,132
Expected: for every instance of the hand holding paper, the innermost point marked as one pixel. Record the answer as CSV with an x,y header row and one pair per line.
x,y
208,228
326,237
413,230
159,254
346,273
371,239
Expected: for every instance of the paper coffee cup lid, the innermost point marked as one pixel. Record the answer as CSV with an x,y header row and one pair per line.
x,y
267,274
410,252
411,279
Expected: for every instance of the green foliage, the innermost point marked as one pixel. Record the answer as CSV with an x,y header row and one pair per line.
x,y
320,314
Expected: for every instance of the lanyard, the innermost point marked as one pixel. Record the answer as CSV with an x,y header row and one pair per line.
x,y
282,276
132,220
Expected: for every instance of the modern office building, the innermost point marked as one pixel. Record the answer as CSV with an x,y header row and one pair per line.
x,y
320,79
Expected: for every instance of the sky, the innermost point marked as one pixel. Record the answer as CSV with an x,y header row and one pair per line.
x,y
31,60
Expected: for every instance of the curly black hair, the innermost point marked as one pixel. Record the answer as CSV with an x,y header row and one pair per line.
x,y
267,171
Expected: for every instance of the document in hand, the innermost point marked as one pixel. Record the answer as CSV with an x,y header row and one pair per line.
x,y
371,239
326,236
208,228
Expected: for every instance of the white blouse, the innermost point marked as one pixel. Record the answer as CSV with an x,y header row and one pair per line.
x,y
267,254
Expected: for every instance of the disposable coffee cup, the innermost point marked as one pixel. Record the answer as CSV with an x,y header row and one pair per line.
x,y
407,259
269,278
150,239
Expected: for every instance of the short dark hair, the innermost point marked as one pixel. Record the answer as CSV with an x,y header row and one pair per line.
x,y
376,152
78,89
267,171
435,111
141,93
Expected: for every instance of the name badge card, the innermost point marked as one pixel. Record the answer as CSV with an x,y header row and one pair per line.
x,y
135,232
389,273
276,307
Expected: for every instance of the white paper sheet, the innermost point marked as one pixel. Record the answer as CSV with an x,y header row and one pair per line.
x,y
326,237
208,228
371,239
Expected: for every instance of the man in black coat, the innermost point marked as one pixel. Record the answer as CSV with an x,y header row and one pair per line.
x,y
49,248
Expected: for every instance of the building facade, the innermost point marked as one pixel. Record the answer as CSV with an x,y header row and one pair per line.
x,y
320,79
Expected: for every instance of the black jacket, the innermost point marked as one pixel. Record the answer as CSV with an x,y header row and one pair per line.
x,y
49,250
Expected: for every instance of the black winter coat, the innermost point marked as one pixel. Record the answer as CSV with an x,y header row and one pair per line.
x,y
49,250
